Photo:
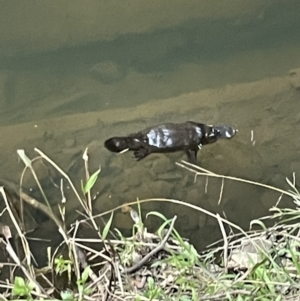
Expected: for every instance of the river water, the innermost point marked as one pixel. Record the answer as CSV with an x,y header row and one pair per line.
x,y
73,75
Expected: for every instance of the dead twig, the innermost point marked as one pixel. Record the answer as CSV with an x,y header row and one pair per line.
x,y
159,247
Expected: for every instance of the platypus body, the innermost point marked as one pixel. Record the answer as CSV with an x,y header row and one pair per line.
x,y
170,137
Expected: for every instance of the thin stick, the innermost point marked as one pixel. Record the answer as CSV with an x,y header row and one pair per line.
x,y
225,247
206,183
221,192
211,174
85,158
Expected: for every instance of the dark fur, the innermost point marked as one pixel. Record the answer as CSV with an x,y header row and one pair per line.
x,y
170,137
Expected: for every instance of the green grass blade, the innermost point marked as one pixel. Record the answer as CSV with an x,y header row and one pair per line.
x,y
91,181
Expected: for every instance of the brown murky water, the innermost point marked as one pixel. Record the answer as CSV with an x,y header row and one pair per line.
x,y
68,89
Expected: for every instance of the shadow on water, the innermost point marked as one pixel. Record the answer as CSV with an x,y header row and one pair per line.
x,y
65,100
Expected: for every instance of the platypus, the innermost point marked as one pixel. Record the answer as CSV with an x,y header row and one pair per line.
x,y
170,137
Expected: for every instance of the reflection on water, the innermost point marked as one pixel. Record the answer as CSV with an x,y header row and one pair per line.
x,y
165,65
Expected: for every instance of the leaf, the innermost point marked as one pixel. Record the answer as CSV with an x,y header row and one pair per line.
x,y
91,181
156,214
159,231
19,282
85,274
82,186
258,222
18,291
239,298
80,287
150,282
107,227
19,288
119,233
67,295
135,217
31,285
194,294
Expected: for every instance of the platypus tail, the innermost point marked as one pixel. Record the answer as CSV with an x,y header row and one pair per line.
x,y
118,144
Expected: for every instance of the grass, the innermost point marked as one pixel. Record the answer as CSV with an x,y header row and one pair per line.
x,y
245,265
